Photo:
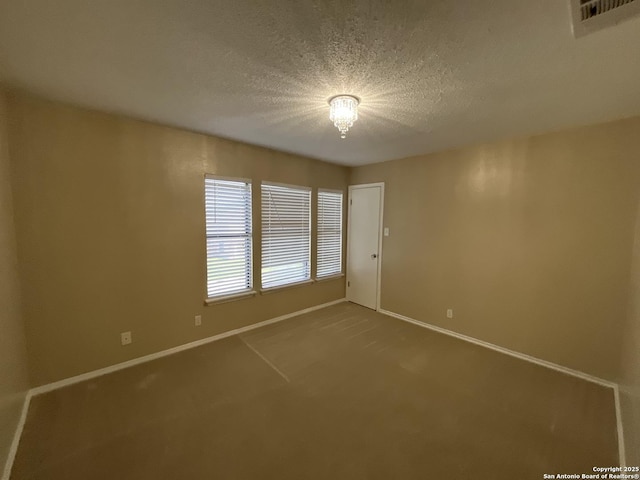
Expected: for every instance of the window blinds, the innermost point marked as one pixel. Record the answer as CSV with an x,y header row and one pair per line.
x,y
286,235
329,233
228,225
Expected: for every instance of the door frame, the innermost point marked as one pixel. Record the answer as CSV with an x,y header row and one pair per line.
x,y
380,232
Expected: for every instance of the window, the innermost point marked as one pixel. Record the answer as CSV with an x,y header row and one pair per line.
x,y
329,233
286,235
229,241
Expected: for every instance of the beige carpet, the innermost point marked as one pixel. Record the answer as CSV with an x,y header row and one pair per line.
x,y
341,393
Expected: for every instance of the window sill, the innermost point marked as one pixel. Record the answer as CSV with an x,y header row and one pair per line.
x,y
266,291
330,277
229,298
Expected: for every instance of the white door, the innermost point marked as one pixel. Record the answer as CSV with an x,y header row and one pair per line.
x,y
363,247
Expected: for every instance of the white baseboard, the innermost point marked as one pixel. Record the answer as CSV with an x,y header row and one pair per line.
x,y
136,361
153,356
506,351
537,361
13,449
621,448
147,358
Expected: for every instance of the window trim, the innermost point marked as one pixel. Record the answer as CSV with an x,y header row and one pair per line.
x,y
326,278
250,291
285,185
230,298
341,273
302,283
307,281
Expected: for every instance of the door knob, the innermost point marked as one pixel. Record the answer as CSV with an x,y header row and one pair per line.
x,y
374,255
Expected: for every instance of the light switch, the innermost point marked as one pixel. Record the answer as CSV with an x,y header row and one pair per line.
x,y
386,231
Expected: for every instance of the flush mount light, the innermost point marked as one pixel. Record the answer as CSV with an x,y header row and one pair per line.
x,y
343,112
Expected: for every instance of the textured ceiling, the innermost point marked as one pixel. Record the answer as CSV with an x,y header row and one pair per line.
x,y
431,74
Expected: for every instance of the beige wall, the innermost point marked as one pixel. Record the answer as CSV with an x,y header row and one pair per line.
x,y
527,240
13,358
630,375
110,225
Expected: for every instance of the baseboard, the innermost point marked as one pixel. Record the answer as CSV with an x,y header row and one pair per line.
x,y
13,449
147,358
136,361
153,356
506,351
621,447
537,361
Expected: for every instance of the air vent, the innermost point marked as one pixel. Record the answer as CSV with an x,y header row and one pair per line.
x,y
592,15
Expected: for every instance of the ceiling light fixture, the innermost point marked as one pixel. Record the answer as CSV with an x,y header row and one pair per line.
x,y
343,112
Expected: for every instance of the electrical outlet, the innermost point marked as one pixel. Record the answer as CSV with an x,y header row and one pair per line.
x,y
449,313
125,338
198,320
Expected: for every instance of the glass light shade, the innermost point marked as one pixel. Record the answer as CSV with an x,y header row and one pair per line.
x,y
343,112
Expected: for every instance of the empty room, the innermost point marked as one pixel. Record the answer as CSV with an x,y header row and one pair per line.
x,y
319,239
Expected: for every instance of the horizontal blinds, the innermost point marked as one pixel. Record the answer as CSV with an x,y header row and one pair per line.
x,y
286,235
329,233
228,226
